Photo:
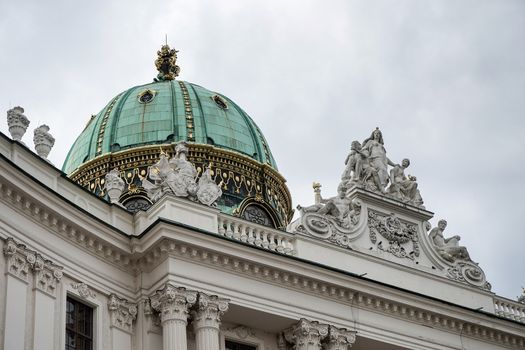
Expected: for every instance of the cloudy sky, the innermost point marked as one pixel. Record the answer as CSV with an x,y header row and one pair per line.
x,y
444,80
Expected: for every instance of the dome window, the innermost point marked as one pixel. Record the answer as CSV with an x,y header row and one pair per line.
x,y
220,101
147,96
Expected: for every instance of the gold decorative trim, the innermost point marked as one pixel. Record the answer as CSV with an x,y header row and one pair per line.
x,y
102,130
240,175
188,112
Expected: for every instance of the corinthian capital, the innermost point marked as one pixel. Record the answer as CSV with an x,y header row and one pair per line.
x,y
122,313
21,262
210,308
173,302
306,334
340,339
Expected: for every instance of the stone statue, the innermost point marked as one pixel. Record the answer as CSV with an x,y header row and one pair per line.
x,y
358,170
178,176
402,187
43,141
339,208
374,149
182,181
114,185
448,248
17,122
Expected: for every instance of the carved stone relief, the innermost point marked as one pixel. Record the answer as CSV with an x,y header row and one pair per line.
x,y
83,290
392,235
257,215
178,176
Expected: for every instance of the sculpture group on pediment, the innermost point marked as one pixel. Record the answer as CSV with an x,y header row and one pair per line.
x,y
367,167
334,218
179,177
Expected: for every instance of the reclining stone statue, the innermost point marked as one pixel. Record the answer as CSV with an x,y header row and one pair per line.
x,y
339,208
448,248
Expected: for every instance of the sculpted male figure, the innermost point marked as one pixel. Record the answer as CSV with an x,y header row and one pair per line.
x,y
448,248
338,207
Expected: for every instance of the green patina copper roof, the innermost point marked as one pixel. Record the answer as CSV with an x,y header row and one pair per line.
x,y
178,111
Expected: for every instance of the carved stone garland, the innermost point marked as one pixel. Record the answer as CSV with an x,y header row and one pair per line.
x,y
402,238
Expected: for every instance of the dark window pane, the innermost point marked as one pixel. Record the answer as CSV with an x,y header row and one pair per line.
x,y
79,326
230,345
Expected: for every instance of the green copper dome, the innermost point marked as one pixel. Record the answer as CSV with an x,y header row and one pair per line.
x,y
165,112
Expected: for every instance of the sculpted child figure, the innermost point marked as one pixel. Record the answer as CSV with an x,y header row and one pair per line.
x,y
358,169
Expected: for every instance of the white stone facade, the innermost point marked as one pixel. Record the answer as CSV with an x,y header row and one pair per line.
x,y
184,276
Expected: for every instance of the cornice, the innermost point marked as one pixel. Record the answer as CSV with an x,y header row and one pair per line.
x,y
295,278
393,303
114,250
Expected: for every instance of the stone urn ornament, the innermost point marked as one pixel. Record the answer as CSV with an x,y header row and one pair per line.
x,y
17,123
43,141
114,185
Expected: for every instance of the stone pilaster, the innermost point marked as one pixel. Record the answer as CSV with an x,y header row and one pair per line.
x,y
339,339
306,335
24,266
207,320
173,304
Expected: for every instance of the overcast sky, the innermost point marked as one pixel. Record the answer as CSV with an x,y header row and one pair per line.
x,y
444,80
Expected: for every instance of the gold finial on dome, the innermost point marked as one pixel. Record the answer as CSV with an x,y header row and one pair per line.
x,y
166,64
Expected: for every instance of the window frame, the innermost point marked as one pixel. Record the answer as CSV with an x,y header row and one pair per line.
x,y
231,335
80,307
95,303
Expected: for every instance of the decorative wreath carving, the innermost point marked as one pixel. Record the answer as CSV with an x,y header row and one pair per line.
x,y
402,239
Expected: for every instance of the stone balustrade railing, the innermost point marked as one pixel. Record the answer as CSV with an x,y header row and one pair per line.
x,y
257,235
509,309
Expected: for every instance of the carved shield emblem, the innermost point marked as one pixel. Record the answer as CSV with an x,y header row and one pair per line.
x,y
208,193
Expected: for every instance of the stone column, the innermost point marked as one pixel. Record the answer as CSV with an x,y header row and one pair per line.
x,y
207,319
173,304
340,339
306,335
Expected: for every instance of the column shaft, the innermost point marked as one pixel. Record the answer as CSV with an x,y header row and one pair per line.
x,y
174,335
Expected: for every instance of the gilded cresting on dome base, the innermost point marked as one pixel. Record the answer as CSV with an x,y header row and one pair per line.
x,y
130,131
